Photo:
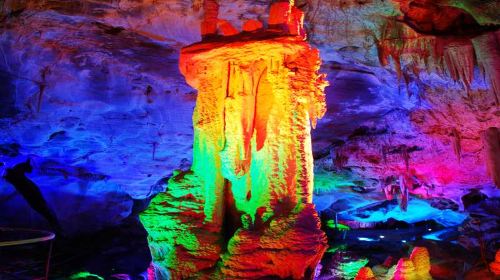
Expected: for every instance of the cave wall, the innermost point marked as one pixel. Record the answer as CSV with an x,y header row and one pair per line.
x,y
91,91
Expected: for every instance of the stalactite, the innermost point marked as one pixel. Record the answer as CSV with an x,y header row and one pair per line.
x,y
451,56
487,49
340,159
153,153
42,85
225,28
404,194
459,60
457,145
391,44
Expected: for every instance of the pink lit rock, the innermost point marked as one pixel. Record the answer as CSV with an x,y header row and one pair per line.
x,y
405,270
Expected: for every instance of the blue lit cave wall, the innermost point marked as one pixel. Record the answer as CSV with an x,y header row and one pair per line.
x,y
102,113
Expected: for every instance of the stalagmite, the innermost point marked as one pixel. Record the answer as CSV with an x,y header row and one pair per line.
x,y
486,47
251,183
422,262
405,270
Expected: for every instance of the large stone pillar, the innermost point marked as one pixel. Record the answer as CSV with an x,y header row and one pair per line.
x,y
245,208
256,102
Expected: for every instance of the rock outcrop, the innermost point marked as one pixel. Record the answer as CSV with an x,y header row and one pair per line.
x,y
422,262
405,270
365,273
417,267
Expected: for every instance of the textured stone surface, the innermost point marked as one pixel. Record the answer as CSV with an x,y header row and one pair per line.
x,y
422,262
181,243
289,247
94,86
241,103
251,181
365,273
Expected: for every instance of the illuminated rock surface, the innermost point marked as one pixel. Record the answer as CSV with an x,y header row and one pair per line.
x,y
422,262
495,265
365,273
405,270
252,175
92,92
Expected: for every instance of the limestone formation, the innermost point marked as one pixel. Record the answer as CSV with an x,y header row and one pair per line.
x,y
365,273
248,196
210,18
422,262
284,16
405,270
252,25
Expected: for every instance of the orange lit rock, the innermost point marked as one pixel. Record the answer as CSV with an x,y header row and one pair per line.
x,y
210,18
279,13
365,273
252,25
287,18
257,101
225,28
290,247
488,58
251,183
422,262
247,93
405,270
495,265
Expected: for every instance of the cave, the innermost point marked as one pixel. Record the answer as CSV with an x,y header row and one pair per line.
x,y
246,139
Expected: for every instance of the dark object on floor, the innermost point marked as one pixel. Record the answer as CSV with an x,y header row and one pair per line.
x,y
31,193
473,197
